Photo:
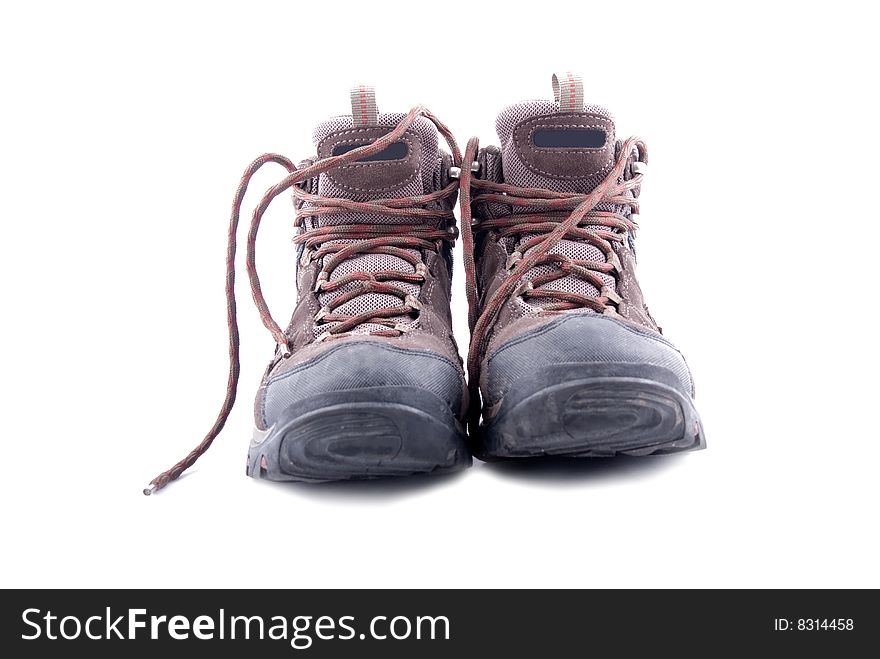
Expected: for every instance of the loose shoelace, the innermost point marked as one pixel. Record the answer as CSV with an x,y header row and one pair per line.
x,y
339,243
547,218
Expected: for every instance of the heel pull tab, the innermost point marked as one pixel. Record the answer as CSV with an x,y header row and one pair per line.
x,y
364,111
568,91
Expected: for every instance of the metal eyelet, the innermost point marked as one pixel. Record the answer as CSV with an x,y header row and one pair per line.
x,y
455,172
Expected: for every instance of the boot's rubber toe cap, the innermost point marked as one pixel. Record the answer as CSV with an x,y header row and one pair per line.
x,y
587,385
354,365
588,340
361,410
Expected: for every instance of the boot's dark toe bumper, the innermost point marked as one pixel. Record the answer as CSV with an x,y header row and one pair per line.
x,y
587,385
361,410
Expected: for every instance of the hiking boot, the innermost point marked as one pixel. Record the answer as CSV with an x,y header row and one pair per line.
x,y
564,352
366,381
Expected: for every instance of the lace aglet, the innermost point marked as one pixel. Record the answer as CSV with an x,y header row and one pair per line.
x,y
150,489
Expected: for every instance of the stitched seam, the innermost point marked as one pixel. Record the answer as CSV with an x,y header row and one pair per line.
x,y
535,122
406,137
426,290
624,289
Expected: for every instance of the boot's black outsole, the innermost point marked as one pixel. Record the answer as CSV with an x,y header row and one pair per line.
x,y
377,432
594,417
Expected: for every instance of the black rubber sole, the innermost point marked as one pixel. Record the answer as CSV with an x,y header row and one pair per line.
x,y
379,432
593,417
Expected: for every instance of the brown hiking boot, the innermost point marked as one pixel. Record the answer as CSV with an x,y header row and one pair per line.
x,y
564,352
366,381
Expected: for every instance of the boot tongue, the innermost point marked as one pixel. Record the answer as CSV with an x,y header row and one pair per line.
x,y
559,145
565,146
409,167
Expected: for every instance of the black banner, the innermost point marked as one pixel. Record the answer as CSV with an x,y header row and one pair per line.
x,y
422,623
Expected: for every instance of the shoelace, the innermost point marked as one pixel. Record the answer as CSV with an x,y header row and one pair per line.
x,y
547,218
339,242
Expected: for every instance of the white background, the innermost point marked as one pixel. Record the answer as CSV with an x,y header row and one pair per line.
x,y
124,133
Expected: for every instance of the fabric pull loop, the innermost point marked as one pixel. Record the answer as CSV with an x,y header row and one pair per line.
x,y
568,91
364,111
